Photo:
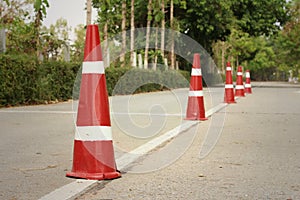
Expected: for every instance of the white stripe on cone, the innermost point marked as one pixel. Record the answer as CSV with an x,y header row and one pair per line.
x,y
239,87
196,72
247,85
240,73
227,86
93,133
198,93
93,67
228,68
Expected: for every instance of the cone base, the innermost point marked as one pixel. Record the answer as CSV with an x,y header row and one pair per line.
x,y
94,176
93,160
248,91
229,101
239,93
195,119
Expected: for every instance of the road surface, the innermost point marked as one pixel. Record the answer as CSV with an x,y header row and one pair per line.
x,y
257,155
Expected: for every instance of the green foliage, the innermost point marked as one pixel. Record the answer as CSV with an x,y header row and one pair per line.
x,y
126,80
260,17
207,21
287,44
20,37
41,6
24,80
18,76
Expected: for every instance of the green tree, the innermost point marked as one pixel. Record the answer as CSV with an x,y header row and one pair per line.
x,y
287,44
55,40
40,9
21,37
78,46
260,17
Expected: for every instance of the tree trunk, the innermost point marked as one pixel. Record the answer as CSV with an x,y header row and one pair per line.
x,y
122,58
172,39
37,25
156,48
148,34
106,50
162,44
88,12
132,33
223,58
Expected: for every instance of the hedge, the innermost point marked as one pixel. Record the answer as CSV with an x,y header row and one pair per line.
x,y
121,81
24,80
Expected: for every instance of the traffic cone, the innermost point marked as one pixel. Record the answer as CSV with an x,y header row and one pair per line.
x,y
93,156
248,89
229,92
195,107
239,88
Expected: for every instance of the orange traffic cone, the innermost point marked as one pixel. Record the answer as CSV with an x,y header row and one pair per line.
x,y
248,89
93,156
229,92
239,88
195,107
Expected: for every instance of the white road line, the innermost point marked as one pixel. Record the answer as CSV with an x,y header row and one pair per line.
x,y
147,114
73,112
37,111
75,188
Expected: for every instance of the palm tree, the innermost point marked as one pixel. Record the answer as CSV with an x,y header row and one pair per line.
x,y
123,26
148,33
88,12
132,33
172,38
162,47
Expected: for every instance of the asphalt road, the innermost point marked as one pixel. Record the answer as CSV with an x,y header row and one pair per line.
x,y
36,142
257,155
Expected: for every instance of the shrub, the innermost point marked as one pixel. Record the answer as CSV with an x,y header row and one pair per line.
x,y
24,80
18,76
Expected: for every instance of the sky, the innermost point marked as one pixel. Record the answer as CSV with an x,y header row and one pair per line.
x,y
71,10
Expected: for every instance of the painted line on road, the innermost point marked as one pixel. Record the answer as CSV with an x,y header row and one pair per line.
x,y
147,114
37,111
75,188
73,112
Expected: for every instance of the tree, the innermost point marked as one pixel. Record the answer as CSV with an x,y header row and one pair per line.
x,y
123,27
13,15
149,19
163,24
11,9
78,46
21,37
55,40
40,7
260,17
88,12
172,39
132,32
287,44
207,21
